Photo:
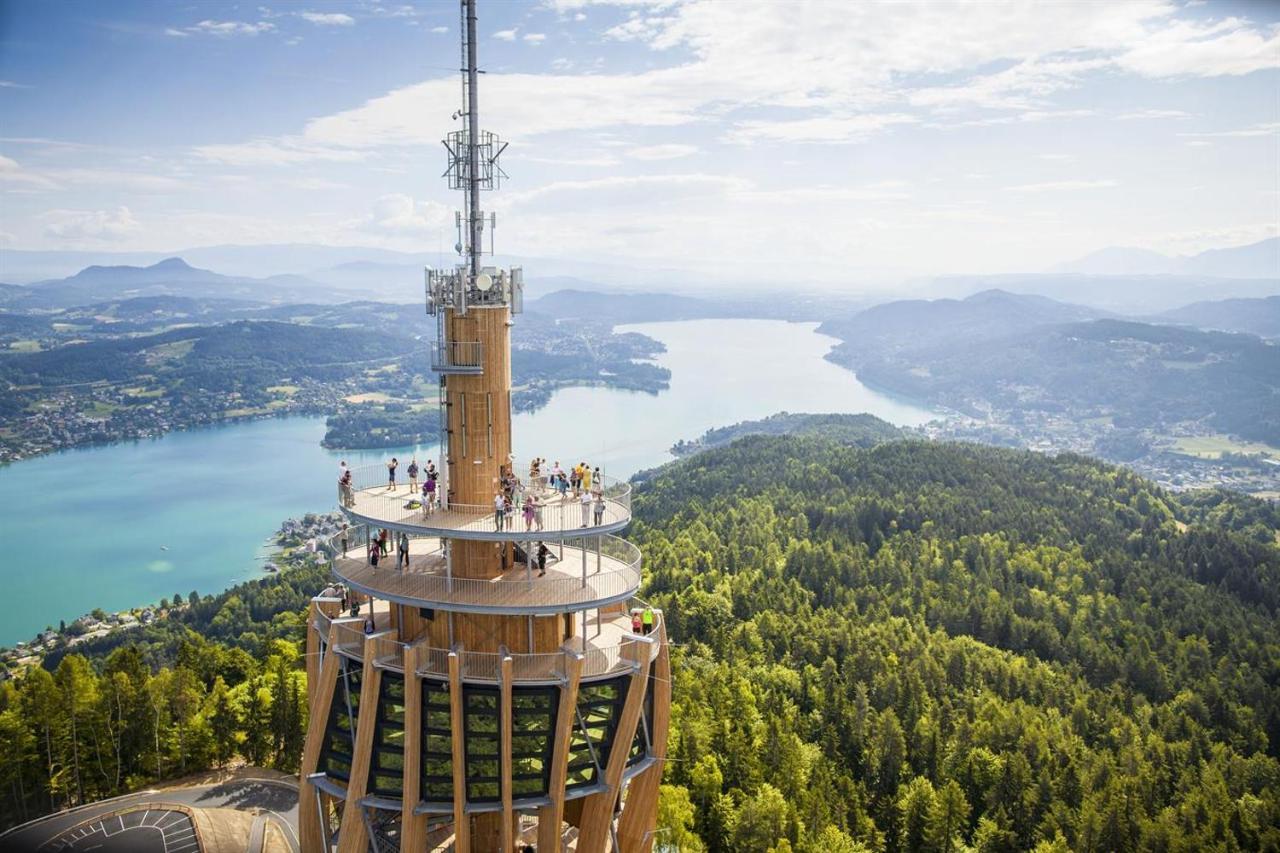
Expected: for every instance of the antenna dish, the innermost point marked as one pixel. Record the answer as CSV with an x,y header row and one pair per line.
x,y
484,281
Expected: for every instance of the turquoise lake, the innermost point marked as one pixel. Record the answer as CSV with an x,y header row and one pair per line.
x,y
127,524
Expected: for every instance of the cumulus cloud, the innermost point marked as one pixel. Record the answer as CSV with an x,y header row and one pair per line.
x,y
832,75
327,19
396,214
90,225
535,38
439,29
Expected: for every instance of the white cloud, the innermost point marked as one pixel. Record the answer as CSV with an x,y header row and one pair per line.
x,y
9,84
226,28
170,31
669,151
769,76
828,128
1203,49
89,225
1061,186
13,174
1153,114
327,19
396,214
535,38
439,29
1266,129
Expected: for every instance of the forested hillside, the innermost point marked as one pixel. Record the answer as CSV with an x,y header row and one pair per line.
x,y
908,647
920,647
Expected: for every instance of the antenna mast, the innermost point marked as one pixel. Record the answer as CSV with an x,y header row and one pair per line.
x,y
473,127
473,153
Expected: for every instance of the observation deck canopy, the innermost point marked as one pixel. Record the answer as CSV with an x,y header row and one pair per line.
x,y
400,509
581,573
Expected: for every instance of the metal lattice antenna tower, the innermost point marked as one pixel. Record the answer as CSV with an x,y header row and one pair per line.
x,y
473,153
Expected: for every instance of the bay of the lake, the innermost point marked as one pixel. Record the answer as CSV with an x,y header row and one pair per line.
x,y
124,525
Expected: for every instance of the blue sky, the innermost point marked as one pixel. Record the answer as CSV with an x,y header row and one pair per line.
x,y
747,138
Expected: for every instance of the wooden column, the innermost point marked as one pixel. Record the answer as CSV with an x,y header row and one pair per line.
x,y
504,749
353,837
551,817
329,607
311,831
640,811
413,827
597,809
461,823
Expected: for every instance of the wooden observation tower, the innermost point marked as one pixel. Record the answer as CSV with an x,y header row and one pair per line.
x,y
463,699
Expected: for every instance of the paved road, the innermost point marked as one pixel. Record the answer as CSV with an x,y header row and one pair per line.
x,y
274,798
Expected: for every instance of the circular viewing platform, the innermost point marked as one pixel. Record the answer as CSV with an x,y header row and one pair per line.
x,y
556,516
603,643
580,573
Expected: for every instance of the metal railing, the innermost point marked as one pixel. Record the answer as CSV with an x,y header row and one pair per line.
x,y
458,357
349,637
551,514
599,660
580,573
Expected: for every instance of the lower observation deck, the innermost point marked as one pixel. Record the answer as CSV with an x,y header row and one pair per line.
x,y
582,573
555,516
601,641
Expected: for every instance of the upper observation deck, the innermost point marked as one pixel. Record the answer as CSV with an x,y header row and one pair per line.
x,y
580,573
555,516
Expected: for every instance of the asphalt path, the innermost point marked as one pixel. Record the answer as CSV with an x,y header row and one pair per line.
x,y
275,799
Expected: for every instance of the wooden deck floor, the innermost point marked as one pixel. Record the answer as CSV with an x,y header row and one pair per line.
x,y
560,516
570,582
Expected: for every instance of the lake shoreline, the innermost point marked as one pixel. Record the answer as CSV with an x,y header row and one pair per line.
x,y
212,496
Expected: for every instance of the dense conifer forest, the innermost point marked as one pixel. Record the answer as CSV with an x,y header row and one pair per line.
x,y
908,647
941,647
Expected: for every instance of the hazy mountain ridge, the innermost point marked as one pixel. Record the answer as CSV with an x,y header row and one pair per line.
x,y
169,277
916,323
1253,316
1255,260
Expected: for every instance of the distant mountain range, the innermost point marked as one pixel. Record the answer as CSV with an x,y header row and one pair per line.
x,y
1255,316
1021,354
911,323
1256,260
169,277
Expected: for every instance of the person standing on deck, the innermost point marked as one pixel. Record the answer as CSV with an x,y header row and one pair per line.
x,y
598,507
542,558
403,562
413,476
647,618
391,474
537,512
586,477
586,508
344,533
384,542
528,513
499,510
